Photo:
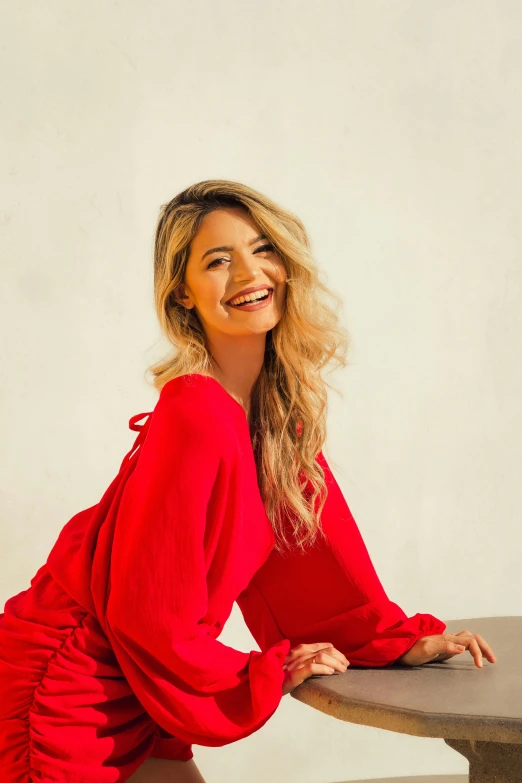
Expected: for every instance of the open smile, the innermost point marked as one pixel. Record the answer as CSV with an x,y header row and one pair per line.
x,y
257,305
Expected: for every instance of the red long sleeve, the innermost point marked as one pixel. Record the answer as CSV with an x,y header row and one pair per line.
x,y
331,593
171,514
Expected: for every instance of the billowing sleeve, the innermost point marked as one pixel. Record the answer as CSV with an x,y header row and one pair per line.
x,y
331,593
193,686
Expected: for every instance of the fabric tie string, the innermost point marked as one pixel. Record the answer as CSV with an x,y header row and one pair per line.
x,y
141,429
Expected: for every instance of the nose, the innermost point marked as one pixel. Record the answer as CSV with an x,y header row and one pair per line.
x,y
246,267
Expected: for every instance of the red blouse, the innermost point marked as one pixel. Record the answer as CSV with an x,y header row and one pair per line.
x,y
180,534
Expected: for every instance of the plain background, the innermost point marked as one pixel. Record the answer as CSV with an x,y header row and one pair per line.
x,y
393,130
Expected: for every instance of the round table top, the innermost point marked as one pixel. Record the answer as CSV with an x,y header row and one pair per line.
x,y
453,699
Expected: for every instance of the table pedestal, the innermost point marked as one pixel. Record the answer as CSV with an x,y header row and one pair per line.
x,y
490,762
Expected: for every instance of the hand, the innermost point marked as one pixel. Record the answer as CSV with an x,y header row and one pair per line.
x,y
440,647
304,660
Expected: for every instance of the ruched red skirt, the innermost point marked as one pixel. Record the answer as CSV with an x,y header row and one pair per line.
x,y
67,713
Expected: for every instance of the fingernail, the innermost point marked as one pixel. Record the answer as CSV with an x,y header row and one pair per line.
x,y
331,670
460,648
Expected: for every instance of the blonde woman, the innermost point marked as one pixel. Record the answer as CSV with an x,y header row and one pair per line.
x,y
110,663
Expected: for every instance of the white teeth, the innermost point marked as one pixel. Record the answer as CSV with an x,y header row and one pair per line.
x,y
250,297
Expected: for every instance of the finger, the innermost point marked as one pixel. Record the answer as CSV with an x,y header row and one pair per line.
x,y
320,658
458,638
476,652
299,661
486,649
448,649
301,674
330,659
335,653
436,646
295,678
301,650
467,642
310,649
319,668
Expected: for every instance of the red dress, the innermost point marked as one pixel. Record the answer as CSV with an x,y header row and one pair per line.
x,y
112,654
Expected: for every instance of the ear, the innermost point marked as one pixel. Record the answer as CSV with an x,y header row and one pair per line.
x,y
180,295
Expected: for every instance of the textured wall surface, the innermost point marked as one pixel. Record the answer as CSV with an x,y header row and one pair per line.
x,y
393,130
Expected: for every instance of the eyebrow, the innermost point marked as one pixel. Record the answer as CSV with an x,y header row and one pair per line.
x,y
228,247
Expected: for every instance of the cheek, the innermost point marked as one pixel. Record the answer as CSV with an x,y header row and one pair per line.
x,y
282,287
212,294
281,297
280,272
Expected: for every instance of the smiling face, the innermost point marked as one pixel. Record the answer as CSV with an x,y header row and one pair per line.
x,y
214,276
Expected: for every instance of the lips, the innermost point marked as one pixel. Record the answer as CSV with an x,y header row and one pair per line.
x,y
255,305
250,291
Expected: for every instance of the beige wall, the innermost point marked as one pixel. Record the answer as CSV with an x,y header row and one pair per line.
x,y
393,129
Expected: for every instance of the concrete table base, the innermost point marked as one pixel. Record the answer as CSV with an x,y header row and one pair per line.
x,y
490,762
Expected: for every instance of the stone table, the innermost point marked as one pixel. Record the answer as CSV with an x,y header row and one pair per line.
x,y
478,712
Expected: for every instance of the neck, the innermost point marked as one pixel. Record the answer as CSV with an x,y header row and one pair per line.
x,y
237,366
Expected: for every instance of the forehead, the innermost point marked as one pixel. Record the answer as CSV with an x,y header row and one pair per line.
x,y
224,226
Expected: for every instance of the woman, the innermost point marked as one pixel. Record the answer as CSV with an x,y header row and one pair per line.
x,y
110,664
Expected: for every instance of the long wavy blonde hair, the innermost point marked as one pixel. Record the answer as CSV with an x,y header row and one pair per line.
x,y
289,400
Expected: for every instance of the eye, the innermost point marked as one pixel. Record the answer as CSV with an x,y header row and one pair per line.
x,y
257,250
